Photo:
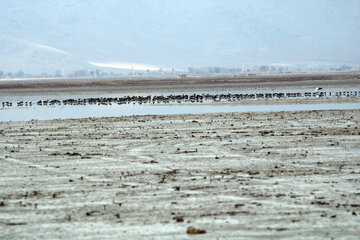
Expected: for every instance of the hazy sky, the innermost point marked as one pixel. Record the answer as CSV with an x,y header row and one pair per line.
x,y
182,33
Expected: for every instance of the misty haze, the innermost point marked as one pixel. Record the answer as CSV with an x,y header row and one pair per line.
x,y
159,119
45,36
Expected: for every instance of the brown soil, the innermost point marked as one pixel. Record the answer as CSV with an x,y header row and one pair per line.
x,y
189,83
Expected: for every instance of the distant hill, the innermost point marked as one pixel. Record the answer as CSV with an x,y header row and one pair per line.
x,y
43,35
29,57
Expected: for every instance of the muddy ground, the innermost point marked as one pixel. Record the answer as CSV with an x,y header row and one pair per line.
x,y
135,85
235,175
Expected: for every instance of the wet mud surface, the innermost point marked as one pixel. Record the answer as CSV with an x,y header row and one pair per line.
x,y
232,176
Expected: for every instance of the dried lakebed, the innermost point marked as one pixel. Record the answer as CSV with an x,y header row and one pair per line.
x,y
235,175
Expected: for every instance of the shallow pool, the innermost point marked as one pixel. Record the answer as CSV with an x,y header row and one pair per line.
x,y
90,111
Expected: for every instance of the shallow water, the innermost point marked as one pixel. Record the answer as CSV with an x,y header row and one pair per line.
x,y
90,111
15,112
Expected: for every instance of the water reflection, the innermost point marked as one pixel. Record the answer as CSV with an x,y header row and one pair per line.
x,y
87,111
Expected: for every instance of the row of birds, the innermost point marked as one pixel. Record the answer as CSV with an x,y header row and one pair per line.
x,y
182,98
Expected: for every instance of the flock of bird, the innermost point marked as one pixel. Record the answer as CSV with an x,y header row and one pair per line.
x,y
181,98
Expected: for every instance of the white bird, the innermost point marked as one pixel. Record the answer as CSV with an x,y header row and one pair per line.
x,y
317,89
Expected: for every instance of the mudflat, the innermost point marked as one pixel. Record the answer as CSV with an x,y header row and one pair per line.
x,y
290,175
134,85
